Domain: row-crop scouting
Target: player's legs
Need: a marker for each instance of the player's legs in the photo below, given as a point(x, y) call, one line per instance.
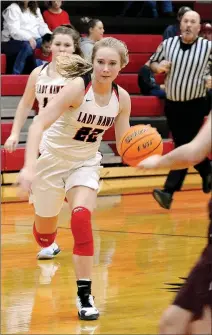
point(82, 187)
point(204, 324)
point(175, 320)
point(82, 197)
point(47, 197)
point(46, 226)
point(189, 303)
point(82, 201)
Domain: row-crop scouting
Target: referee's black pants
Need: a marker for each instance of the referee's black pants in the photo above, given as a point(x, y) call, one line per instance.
point(184, 121)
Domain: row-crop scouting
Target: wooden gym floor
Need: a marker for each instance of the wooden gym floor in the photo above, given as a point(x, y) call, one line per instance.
point(142, 255)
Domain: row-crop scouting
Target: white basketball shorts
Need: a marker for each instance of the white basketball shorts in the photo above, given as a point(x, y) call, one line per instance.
point(55, 176)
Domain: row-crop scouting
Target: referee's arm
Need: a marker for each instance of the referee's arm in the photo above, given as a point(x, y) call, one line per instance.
point(158, 64)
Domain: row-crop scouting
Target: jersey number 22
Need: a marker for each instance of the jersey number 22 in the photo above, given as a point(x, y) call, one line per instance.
point(87, 134)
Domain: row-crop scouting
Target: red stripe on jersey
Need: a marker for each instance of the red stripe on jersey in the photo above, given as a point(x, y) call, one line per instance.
point(87, 88)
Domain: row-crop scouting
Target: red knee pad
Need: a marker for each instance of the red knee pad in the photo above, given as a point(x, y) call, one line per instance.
point(82, 232)
point(44, 240)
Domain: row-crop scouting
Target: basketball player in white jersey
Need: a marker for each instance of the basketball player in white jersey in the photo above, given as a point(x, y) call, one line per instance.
point(43, 84)
point(69, 166)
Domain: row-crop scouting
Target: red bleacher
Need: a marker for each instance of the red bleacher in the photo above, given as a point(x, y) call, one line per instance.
point(15, 85)
point(136, 61)
point(139, 43)
point(5, 131)
point(204, 9)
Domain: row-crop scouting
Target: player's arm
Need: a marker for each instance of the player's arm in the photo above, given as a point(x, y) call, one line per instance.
point(69, 96)
point(122, 123)
point(23, 110)
point(187, 155)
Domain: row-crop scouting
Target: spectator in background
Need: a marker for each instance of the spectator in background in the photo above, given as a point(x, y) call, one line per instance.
point(23, 28)
point(206, 31)
point(174, 30)
point(44, 54)
point(54, 16)
point(166, 7)
point(147, 83)
point(94, 29)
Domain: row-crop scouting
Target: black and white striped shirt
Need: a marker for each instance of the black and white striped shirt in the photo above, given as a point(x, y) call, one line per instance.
point(190, 63)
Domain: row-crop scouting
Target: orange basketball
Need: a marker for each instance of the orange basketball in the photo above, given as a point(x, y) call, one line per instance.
point(140, 142)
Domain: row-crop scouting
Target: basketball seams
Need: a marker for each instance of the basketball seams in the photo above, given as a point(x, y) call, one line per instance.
point(137, 141)
point(124, 137)
point(147, 155)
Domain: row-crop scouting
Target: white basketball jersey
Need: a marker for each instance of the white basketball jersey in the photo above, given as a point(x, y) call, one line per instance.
point(77, 134)
point(45, 90)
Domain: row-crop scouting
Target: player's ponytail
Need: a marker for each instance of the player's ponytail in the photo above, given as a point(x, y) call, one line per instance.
point(72, 66)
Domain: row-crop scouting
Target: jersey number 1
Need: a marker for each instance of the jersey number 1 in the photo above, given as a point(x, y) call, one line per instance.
point(45, 102)
point(87, 134)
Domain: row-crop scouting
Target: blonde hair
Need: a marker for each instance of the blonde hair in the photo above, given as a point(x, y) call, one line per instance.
point(72, 66)
point(113, 43)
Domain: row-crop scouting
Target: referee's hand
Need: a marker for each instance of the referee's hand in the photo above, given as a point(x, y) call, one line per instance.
point(164, 66)
point(208, 82)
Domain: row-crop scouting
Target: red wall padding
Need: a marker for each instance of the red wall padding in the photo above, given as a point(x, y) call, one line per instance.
point(5, 131)
point(13, 161)
point(136, 61)
point(204, 10)
point(2, 159)
point(168, 146)
point(13, 84)
point(128, 82)
point(139, 43)
point(109, 135)
point(146, 106)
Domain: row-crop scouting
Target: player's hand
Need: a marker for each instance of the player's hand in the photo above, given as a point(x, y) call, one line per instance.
point(164, 66)
point(11, 143)
point(25, 179)
point(152, 162)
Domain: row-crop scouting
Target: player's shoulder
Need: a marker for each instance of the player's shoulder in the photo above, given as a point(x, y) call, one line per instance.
point(74, 90)
point(78, 83)
point(35, 73)
point(124, 100)
point(123, 94)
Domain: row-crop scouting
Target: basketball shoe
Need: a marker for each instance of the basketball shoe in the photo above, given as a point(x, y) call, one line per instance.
point(85, 301)
point(49, 252)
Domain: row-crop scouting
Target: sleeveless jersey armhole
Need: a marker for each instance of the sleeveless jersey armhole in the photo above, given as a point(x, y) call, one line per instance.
point(115, 90)
point(87, 81)
point(44, 65)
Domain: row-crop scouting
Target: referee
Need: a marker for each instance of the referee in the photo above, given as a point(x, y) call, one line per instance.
point(186, 60)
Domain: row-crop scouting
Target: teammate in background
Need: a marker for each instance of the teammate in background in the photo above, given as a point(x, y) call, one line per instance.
point(43, 84)
point(191, 311)
point(69, 164)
